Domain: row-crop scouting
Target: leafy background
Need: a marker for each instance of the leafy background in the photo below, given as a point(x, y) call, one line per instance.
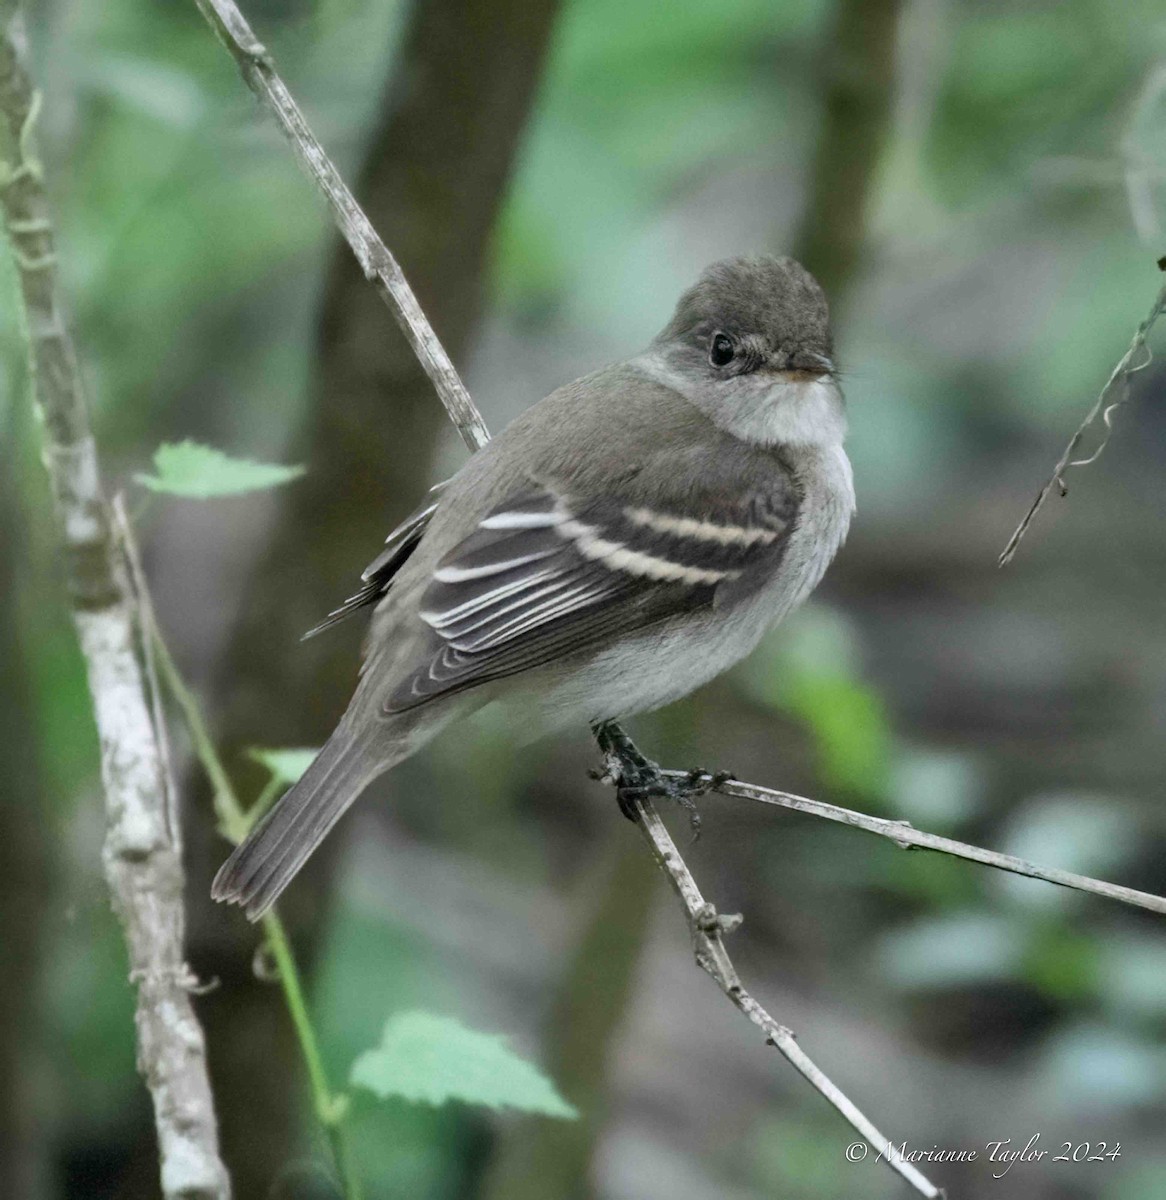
point(1008, 251)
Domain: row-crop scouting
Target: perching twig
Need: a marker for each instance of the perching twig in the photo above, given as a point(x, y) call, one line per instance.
point(708, 929)
point(905, 836)
point(375, 259)
point(142, 855)
point(1135, 359)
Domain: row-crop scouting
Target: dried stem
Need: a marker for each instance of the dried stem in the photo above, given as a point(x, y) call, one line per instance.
point(708, 930)
point(1135, 359)
point(142, 854)
point(905, 836)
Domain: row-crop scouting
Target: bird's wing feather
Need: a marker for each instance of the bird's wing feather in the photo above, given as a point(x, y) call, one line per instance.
point(378, 575)
point(543, 576)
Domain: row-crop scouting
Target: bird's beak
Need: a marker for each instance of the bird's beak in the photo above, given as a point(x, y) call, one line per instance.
point(795, 376)
point(804, 366)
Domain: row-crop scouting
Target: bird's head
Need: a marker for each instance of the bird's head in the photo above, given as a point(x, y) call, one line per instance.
point(750, 344)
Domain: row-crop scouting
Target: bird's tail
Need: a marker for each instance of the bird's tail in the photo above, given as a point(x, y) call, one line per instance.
point(274, 851)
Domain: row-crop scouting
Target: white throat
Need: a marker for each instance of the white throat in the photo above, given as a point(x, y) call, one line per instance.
point(759, 408)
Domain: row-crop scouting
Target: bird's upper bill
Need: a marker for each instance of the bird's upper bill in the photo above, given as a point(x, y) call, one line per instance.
point(798, 376)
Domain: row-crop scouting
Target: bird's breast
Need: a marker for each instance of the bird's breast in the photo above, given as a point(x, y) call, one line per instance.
point(664, 662)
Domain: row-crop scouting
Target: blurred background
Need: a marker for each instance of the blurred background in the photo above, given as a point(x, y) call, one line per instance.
point(979, 188)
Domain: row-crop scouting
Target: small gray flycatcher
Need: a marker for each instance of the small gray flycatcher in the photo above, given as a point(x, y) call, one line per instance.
point(625, 540)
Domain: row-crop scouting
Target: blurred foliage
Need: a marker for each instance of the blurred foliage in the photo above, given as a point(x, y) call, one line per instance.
point(286, 766)
point(1004, 277)
point(810, 669)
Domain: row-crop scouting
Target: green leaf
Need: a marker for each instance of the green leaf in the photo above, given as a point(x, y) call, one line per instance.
point(429, 1059)
point(286, 766)
point(200, 472)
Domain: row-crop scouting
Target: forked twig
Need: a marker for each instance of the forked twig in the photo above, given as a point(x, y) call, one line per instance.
point(708, 929)
point(256, 66)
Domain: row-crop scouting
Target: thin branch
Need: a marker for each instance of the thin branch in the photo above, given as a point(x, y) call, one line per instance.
point(708, 928)
point(1135, 359)
point(906, 837)
point(375, 259)
point(234, 823)
point(142, 854)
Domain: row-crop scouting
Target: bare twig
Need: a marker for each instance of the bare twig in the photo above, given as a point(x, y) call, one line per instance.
point(380, 267)
point(142, 854)
point(257, 70)
point(1135, 359)
point(706, 926)
point(708, 929)
point(905, 836)
point(374, 257)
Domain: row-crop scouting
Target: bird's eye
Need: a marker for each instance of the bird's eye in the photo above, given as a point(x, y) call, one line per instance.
point(721, 350)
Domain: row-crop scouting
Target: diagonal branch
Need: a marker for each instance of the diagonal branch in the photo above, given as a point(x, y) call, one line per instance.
point(708, 928)
point(374, 256)
point(1135, 359)
point(142, 854)
point(906, 837)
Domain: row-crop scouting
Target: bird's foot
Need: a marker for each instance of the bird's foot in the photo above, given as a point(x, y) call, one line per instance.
point(637, 777)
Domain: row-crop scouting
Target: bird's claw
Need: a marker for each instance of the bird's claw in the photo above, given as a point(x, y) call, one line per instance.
point(637, 777)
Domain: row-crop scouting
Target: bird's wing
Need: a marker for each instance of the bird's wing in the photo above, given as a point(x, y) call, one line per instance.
point(544, 575)
point(378, 575)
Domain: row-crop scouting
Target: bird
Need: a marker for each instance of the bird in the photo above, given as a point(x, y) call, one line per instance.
point(625, 540)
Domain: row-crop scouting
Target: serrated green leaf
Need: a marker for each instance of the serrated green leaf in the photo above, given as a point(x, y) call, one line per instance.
point(429, 1059)
point(202, 472)
point(286, 766)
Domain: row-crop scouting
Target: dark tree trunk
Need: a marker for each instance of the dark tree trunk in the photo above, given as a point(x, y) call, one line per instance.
point(552, 1160)
point(25, 865)
point(858, 64)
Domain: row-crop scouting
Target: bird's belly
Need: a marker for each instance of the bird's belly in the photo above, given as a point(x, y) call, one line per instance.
point(660, 664)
